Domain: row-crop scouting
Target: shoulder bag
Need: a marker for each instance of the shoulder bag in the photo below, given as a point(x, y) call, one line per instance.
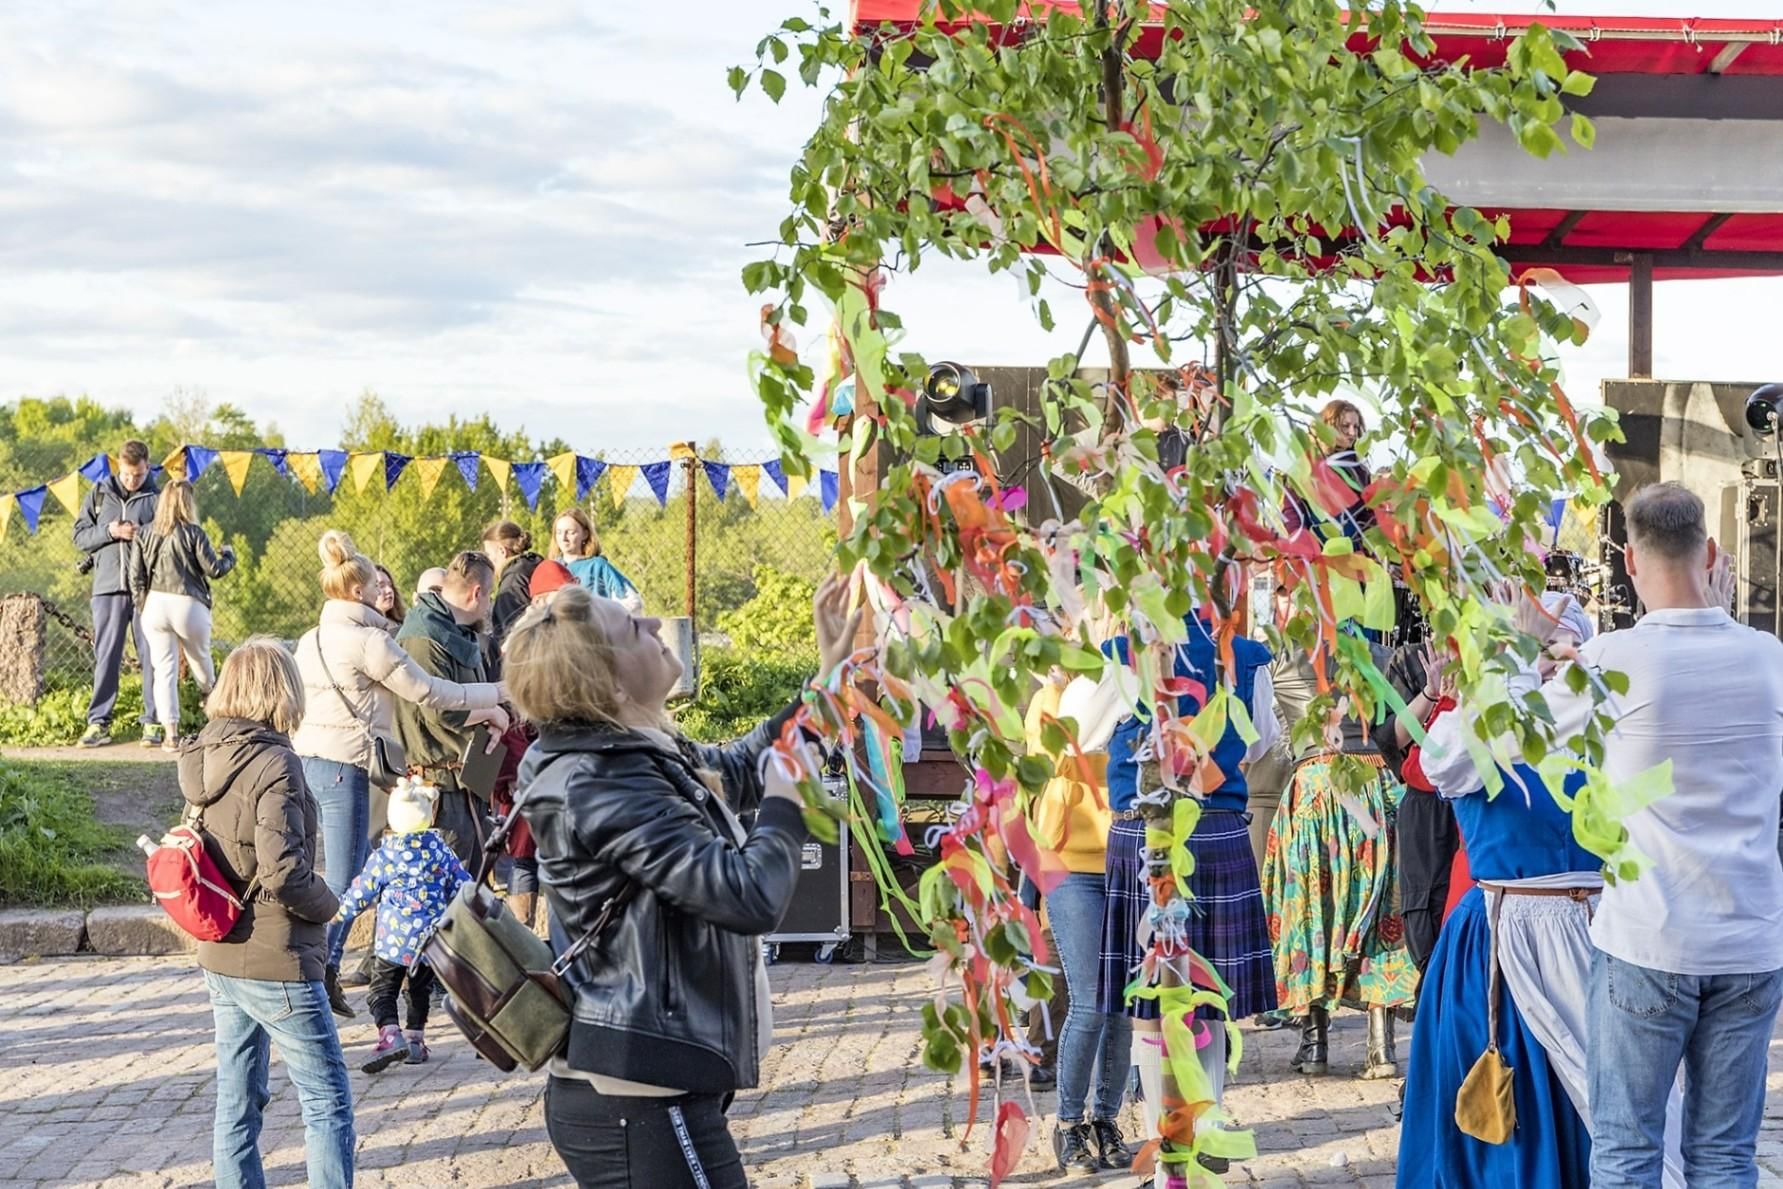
point(389, 763)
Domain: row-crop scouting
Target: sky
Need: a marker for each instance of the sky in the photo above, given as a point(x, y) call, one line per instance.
point(538, 210)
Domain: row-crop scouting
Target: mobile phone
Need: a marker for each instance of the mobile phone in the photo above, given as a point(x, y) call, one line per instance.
point(479, 766)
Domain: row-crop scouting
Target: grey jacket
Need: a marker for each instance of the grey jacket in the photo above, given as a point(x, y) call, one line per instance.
point(181, 564)
point(92, 530)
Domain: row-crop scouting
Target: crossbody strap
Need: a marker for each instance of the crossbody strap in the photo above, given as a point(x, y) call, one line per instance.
point(195, 818)
point(334, 685)
point(1493, 978)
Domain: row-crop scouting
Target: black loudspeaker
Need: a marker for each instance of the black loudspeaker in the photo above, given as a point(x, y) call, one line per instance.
point(1756, 601)
point(819, 910)
point(1617, 609)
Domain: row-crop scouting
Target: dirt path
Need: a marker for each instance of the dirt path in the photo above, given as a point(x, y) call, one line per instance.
point(132, 787)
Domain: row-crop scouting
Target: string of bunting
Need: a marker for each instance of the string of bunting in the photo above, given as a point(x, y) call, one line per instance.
point(319, 470)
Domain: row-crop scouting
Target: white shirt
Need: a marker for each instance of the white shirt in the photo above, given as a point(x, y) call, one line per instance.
point(1705, 693)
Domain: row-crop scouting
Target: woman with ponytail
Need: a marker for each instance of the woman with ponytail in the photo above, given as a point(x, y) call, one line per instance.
point(353, 670)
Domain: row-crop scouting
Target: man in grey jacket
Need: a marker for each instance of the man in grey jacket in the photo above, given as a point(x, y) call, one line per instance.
point(108, 520)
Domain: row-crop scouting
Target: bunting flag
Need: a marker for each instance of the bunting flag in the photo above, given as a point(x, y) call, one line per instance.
point(530, 478)
point(588, 473)
point(278, 456)
point(175, 464)
point(235, 465)
point(307, 469)
point(364, 467)
point(31, 505)
point(620, 480)
point(198, 460)
point(777, 473)
point(563, 469)
point(393, 464)
point(795, 486)
point(96, 468)
point(719, 476)
point(657, 475)
point(828, 482)
point(333, 462)
point(5, 517)
point(748, 482)
point(681, 451)
point(1556, 515)
point(502, 469)
point(430, 470)
point(466, 461)
point(67, 492)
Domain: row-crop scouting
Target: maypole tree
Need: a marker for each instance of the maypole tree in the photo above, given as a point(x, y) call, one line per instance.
point(1237, 192)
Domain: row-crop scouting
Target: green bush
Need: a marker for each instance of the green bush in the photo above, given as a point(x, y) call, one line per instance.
point(777, 619)
point(740, 689)
point(60, 715)
point(52, 846)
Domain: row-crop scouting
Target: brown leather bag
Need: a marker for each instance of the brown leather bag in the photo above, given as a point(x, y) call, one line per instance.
point(1485, 1107)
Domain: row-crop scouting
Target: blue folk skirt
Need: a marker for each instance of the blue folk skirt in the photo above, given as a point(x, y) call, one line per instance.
point(1550, 1149)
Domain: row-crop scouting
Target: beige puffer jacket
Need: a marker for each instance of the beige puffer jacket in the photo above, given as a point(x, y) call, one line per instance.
point(372, 669)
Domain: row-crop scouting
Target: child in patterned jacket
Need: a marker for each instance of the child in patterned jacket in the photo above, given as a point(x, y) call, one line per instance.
point(412, 877)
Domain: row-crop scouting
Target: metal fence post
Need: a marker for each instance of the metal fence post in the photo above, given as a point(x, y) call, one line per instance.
point(691, 465)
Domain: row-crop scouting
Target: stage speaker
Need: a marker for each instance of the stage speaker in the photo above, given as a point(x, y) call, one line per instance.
point(819, 910)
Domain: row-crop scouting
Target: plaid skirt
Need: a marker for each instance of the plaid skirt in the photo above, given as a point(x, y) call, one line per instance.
point(1228, 924)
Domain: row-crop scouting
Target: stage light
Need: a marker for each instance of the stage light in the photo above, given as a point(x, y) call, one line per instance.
point(1761, 408)
point(952, 399)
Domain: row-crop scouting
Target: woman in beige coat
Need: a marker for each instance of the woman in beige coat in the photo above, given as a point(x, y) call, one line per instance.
point(352, 671)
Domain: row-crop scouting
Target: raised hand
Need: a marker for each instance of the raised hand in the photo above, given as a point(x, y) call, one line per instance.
point(836, 628)
point(1721, 581)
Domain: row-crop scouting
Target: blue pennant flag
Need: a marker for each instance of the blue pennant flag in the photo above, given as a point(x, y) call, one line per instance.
point(720, 477)
point(777, 473)
point(96, 468)
point(828, 482)
point(333, 463)
point(588, 473)
point(468, 462)
point(657, 475)
point(31, 504)
point(530, 476)
point(1556, 514)
point(393, 464)
point(277, 456)
point(198, 461)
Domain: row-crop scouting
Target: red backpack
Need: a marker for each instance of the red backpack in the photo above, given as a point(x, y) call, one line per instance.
point(188, 886)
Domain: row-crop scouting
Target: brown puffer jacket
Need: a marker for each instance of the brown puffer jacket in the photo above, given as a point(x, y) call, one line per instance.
point(246, 785)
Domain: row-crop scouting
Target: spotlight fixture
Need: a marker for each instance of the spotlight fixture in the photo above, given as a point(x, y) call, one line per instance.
point(1761, 408)
point(952, 398)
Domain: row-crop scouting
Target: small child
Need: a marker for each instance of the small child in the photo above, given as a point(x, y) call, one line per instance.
point(412, 876)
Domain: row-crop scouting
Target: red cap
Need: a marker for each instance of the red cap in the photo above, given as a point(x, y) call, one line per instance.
point(550, 576)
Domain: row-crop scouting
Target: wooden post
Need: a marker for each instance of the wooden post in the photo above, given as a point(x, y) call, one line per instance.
point(690, 465)
point(1640, 317)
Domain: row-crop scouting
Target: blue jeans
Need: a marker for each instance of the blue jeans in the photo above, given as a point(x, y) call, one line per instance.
point(343, 803)
point(250, 1013)
point(1644, 1024)
point(1091, 1041)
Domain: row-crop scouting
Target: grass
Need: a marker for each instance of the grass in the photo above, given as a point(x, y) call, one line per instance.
point(67, 830)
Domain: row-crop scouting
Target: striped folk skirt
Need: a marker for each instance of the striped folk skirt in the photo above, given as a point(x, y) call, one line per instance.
point(1333, 896)
point(1228, 924)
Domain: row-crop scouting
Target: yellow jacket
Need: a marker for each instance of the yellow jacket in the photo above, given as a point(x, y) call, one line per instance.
point(1071, 817)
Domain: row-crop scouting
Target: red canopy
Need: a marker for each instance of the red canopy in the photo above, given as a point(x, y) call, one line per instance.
point(1689, 117)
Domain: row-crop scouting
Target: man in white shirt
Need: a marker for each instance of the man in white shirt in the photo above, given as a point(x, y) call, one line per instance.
point(1689, 962)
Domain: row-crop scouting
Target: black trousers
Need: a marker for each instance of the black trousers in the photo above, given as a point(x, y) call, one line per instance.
point(641, 1143)
point(386, 979)
point(1428, 839)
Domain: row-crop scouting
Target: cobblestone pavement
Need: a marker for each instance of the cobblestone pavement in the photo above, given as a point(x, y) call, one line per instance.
point(106, 1079)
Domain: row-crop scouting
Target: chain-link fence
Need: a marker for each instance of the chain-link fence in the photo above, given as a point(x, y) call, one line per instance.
point(730, 546)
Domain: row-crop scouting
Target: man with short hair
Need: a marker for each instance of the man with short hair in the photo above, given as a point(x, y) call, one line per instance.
point(1689, 963)
point(441, 633)
point(109, 517)
point(430, 581)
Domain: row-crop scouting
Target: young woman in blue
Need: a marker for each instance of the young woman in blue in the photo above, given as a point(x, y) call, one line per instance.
point(578, 547)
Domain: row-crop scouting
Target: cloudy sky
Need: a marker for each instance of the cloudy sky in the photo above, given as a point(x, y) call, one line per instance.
point(537, 209)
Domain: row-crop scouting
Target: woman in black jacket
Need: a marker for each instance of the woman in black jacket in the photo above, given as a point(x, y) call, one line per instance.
point(171, 568)
point(671, 1003)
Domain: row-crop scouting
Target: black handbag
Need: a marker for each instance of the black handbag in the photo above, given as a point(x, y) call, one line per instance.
point(389, 763)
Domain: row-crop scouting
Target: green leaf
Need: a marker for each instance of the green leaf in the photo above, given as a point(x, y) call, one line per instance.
point(738, 79)
point(1577, 82)
point(1584, 133)
point(774, 84)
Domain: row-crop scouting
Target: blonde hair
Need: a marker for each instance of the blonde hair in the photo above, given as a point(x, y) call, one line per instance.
point(344, 568)
point(176, 506)
point(580, 517)
point(260, 683)
point(557, 664)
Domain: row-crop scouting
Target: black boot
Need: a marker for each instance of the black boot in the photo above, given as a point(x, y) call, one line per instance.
point(1314, 1055)
point(337, 998)
point(1111, 1146)
point(1071, 1146)
point(1383, 1059)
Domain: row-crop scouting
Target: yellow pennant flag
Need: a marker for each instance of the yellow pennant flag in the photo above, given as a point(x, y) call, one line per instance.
point(364, 467)
point(795, 486)
point(235, 465)
point(6, 503)
point(67, 492)
point(621, 479)
point(307, 468)
point(174, 463)
point(430, 470)
point(502, 469)
point(563, 466)
point(748, 481)
point(680, 451)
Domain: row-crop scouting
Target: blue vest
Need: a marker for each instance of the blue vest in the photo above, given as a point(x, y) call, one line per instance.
point(1194, 660)
point(1508, 838)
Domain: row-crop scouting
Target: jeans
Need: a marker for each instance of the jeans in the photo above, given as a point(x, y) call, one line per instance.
point(343, 803)
point(1644, 1023)
point(629, 1143)
point(1091, 1041)
point(249, 1013)
point(114, 617)
point(523, 876)
point(386, 979)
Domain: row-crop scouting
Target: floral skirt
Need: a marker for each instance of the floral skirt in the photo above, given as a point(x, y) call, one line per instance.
point(1333, 896)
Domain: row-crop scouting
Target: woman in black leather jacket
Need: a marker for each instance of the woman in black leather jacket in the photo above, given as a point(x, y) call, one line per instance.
point(671, 1003)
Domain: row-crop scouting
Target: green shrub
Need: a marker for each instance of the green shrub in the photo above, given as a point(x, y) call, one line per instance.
point(777, 619)
point(740, 689)
point(52, 846)
point(60, 715)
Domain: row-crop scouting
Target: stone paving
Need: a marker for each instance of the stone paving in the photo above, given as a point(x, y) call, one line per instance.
point(106, 1079)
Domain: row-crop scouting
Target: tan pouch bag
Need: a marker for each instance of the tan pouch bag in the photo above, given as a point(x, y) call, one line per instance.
point(1484, 1105)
